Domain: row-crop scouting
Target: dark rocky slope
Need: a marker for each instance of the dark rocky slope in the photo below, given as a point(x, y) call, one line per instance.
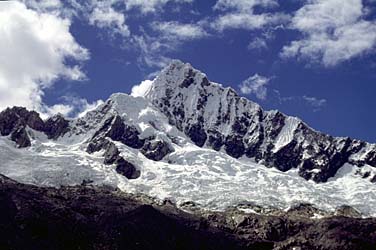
point(95, 218)
point(14, 122)
point(86, 217)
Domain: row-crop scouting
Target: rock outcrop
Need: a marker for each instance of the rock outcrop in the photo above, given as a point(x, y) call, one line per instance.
point(112, 157)
point(156, 149)
point(56, 126)
point(14, 121)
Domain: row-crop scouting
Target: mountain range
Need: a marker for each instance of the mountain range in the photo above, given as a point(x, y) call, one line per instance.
point(189, 140)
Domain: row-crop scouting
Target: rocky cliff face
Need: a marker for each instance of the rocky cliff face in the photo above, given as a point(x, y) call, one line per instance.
point(217, 117)
point(15, 121)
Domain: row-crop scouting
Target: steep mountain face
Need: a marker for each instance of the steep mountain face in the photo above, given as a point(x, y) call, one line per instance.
point(189, 139)
point(219, 118)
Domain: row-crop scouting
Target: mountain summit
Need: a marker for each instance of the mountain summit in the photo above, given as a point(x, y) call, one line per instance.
point(186, 138)
point(218, 118)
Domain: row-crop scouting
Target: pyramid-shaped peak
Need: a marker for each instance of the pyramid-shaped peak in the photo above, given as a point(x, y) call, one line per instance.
point(176, 63)
point(179, 74)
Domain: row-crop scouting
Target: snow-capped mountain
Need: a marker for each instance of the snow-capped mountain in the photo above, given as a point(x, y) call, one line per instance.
point(218, 118)
point(188, 139)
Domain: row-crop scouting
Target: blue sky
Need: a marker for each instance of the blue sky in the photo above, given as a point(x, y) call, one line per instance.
point(314, 59)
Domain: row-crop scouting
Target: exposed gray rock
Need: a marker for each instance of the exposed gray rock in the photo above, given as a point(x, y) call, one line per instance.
point(348, 212)
point(129, 135)
point(234, 146)
point(56, 126)
point(126, 168)
point(111, 154)
point(156, 150)
point(197, 134)
point(20, 137)
point(305, 210)
point(112, 157)
point(13, 121)
point(96, 145)
point(19, 116)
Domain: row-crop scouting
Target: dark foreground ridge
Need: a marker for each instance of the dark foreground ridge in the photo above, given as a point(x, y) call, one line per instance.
point(86, 217)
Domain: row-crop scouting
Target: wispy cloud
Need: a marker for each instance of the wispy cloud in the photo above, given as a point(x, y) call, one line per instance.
point(244, 5)
point(182, 31)
point(257, 44)
point(151, 50)
point(241, 14)
point(71, 106)
point(106, 17)
point(314, 102)
point(147, 6)
point(333, 31)
point(256, 85)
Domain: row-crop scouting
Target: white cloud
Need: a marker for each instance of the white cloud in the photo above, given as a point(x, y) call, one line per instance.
point(256, 85)
point(87, 107)
point(240, 21)
point(63, 109)
point(147, 6)
point(152, 49)
point(243, 5)
point(257, 44)
point(34, 49)
point(240, 14)
point(315, 102)
point(71, 107)
point(176, 30)
point(105, 17)
point(101, 14)
point(170, 36)
point(142, 88)
point(44, 5)
point(62, 8)
point(333, 31)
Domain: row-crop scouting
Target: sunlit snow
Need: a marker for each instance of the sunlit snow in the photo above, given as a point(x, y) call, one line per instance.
point(211, 179)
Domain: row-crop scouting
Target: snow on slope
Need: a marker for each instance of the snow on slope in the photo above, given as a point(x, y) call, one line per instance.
point(287, 133)
point(52, 164)
point(211, 179)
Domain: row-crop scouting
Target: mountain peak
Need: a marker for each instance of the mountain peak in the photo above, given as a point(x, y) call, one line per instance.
point(177, 75)
point(183, 136)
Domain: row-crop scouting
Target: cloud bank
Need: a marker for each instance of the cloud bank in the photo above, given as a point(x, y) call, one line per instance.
point(34, 50)
point(333, 31)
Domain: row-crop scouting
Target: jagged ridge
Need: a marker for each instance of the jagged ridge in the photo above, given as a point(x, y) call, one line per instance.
point(219, 118)
point(211, 116)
